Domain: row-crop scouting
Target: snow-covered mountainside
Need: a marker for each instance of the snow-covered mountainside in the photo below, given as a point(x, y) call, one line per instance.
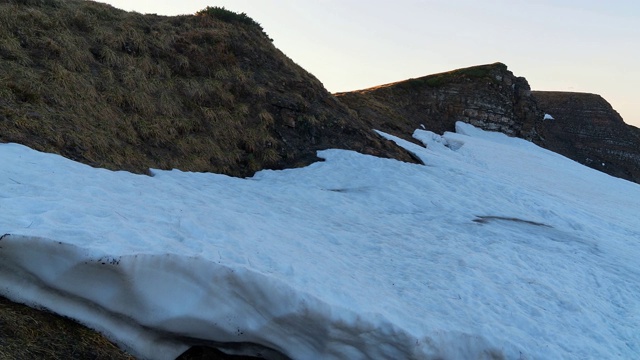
point(495, 248)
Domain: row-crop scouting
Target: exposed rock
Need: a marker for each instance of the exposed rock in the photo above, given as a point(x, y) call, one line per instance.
point(584, 128)
point(487, 96)
point(587, 129)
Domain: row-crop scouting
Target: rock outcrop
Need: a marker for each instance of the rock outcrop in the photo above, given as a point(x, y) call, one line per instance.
point(587, 129)
point(487, 96)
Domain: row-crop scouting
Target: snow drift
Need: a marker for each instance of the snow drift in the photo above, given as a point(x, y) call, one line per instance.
point(495, 248)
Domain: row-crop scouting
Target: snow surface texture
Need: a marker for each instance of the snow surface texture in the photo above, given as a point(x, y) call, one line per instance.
point(494, 249)
point(548, 117)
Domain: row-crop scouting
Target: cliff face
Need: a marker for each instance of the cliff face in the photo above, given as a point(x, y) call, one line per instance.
point(587, 129)
point(207, 92)
point(210, 92)
point(487, 96)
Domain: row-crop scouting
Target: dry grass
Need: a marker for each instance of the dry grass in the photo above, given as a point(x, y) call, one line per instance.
point(128, 91)
point(29, 334)
point(122, 90)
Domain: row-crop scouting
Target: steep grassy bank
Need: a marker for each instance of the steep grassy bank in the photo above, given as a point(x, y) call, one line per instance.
point(126, 91)
point(204, 92)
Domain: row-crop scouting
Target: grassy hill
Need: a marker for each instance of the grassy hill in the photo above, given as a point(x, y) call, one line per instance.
point(125, 91)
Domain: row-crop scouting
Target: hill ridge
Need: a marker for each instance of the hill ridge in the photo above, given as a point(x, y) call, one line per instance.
point(585, 128)
point(127, 91)
point(488, 96)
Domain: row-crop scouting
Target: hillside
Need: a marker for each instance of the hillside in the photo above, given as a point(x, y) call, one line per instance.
point(587, 129)
point(487, 96)
point(126, 91)
point(209, 92)
point(492, 248)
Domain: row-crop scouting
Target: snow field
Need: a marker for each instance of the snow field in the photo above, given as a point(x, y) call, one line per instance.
point(493, 248)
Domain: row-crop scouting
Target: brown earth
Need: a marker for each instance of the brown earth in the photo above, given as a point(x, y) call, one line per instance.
point(27, 334)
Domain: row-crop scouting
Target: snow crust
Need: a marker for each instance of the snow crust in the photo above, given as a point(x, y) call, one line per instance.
point(548, 117)
point(495, 248)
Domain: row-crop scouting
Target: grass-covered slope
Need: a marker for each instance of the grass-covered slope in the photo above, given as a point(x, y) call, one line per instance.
point(29, 334)
point(203, 92)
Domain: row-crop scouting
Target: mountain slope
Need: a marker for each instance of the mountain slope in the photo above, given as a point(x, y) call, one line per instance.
point(209, 93)
point(587, 129)
point(488, 96)
point(128, 91)
point(495, 249)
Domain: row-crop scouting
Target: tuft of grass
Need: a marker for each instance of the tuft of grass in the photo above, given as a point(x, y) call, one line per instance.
point(266, 118)
point(223, 14)
point(26, 333)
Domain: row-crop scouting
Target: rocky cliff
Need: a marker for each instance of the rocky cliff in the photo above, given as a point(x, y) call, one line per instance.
point(587, 129)
point(204, 92)
point(487, 96)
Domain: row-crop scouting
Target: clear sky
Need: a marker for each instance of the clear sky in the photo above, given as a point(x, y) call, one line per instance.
point(567, 45)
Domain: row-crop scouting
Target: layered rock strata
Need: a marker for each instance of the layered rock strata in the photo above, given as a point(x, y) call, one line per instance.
point(585, 128)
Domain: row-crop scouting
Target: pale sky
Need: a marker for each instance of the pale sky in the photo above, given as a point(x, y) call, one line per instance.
point(566, 45)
